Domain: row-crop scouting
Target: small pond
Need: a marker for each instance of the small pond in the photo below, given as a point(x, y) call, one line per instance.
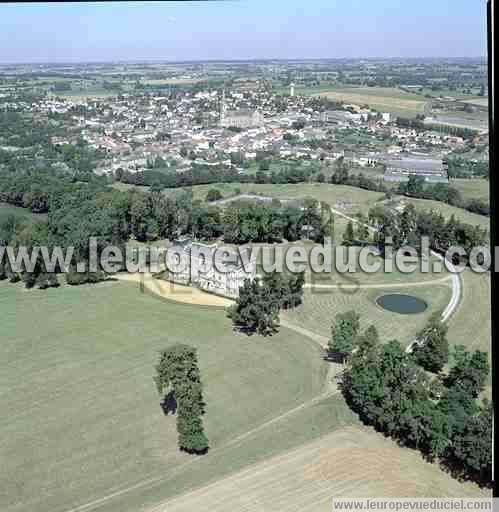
point(403, 304)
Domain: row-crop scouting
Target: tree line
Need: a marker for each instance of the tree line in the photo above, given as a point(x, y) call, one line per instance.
point(407, 227)
point(444, 193)
point(437, 413)
point(77, 211)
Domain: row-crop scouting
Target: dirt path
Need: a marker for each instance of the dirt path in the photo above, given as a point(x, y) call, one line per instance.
point(456, 278)
point(173, 291)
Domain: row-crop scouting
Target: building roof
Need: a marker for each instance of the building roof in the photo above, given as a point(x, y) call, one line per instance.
point(413, 164)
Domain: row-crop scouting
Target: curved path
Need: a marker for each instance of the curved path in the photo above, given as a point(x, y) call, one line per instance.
point(456, 277)
point(190, 295)
point(330, 388)
point(377, 285)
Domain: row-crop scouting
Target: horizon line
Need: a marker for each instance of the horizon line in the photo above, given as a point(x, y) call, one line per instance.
point(253, 59)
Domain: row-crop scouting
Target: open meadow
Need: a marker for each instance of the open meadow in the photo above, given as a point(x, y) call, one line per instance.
point(476, 188)
point(348, 200)
point(350, 462)
point(383, 99)
point(81, 415)
point(471, 323)
point(320, 305)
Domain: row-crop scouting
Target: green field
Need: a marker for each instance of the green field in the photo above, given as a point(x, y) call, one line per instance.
point(471, 323)
point(81, 93)
point(81, 415)
point(447, 210)
point(350, 199)
point(479, 101)
point(476, 188)
point(306, 424)
point(321, 305)
point(337, 278)
point(382, 99)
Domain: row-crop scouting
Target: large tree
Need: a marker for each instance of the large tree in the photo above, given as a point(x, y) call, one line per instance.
point(431, 349)
point(256, 309)
point(344, 334)
point(469, 372)
point(177, 374)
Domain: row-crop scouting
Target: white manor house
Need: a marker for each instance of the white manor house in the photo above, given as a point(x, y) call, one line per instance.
point(189, 267)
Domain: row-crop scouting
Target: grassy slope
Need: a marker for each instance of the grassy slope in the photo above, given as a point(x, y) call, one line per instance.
point(321, 306)
point(81, 413)
point(473, 189)
point(473, 330)
point(337, 196)
point(350, 200)
point(447, 211)
point(302, 426)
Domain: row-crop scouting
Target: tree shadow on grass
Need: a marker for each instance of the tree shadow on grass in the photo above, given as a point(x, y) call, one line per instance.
point(169, 403)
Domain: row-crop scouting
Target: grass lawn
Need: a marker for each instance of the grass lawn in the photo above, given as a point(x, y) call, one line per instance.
point(336, 278)
point(471, 323)
point(349, 199)
point(476, 188)
point(90, 92)
point(171, 81)
point(480, 101)
point(307, 424)
point(447, 210)
point(81, 414)
point(320, 306)
point(383, 99)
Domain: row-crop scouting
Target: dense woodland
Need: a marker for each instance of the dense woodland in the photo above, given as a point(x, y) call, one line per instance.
point(410, 225)
point(78, 210)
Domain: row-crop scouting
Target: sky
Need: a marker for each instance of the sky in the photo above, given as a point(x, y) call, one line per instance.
point(241, 29)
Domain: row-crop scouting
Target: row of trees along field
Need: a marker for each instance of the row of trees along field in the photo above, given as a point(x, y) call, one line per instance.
point(293, 173)
point(444, 193)
point(409, 225)
point(78, 211)
point(412, 397)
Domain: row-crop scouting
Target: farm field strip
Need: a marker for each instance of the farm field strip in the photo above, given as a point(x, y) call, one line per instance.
point(350, 462)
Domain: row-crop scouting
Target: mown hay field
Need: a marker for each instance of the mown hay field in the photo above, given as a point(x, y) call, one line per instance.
point(81, 414)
